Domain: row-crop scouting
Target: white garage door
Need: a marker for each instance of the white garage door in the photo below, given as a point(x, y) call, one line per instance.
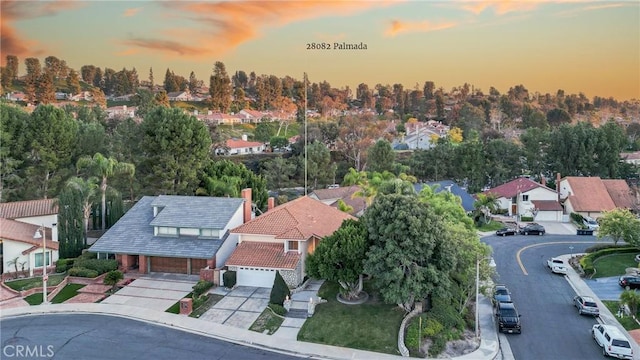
point(548, 216)
point(255, 277)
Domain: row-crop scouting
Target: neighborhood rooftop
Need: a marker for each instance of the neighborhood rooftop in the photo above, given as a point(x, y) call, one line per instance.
point(202, 212)
point(30, 208)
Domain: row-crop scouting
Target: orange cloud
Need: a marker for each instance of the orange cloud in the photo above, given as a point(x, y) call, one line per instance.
point(399, 27)
point(131, 12)
point(11, 42)
point(231, 23)
point(590, 8)
point(501, 7)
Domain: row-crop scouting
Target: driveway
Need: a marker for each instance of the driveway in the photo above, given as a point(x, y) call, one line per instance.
point(606, 288)
point(152, 292)
point(558, 228)
point(240, 307)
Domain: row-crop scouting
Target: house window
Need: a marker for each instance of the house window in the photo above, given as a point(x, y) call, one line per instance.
point(207, 233)
point(525, 197)
point(38, 259)
point(292, 245)
point(164, 230)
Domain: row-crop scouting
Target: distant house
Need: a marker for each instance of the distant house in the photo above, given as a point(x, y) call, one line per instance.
point(452, 187)
point(592, 196)
point(631, 157)
point(280, 239)
point(19, 222)
point(332, 197)
point(179, 96)
point(525, 197)
point(250, 116)
point(219, 118)
point(175, 234)
point(17, 96)
point(121, 112)
point(242, 147)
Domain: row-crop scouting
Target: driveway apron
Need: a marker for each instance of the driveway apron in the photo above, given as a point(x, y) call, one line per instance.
point(239, 308)
point(150, 293)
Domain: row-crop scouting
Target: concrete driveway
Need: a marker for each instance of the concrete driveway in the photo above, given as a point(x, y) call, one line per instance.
point(240, 307)
point(558, 228)
point(606, 288)
point(152, 293)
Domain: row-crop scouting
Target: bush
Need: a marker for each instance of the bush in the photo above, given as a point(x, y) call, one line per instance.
point(437, 346)
point(63, 265)
point(100, 265)
point(278, 309)
point(447, 316)
point(229, 279)
point(412, 338)
point(82, 272)
point(279, 291)
point(586, 262)
point(113, 277)
point(577, 218)
point(526, 218)
point(201, 287)
point(599, 247)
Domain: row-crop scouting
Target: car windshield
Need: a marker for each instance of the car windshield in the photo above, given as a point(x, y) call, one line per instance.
point(592, 222)
point(508, 313)
point(621, 343)
point(590, 304)
point(555, 261)
point(502, 292)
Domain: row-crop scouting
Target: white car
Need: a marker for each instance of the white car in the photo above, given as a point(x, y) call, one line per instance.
point(557, 266)
point(591, 223)
point(612, 342)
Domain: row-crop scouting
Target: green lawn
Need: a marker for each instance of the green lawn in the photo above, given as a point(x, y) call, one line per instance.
point(627, 322)
point(211, 300)
point(34, 299)
point(67, 293)
point(492, 226)
point(267, 321)
point(613, 265)
point(30, 283)
point(371, 326)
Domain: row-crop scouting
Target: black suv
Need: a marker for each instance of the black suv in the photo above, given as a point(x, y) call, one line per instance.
point(501, 294)
point(533, 229)
point(629, 282)
point(508, 318)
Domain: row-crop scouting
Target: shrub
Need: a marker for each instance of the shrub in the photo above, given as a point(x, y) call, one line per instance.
point(279, 291)
point(586, 262)
point(100, 265)
point(599, 247)
point(201, 287)
point(278, 309)
point(229, 279)
point(113, 277)
point(412, 338)
point(63, 265)
point(526, 218)
point(437, 346)
point(83, 272)
point(447, 315)
point(576, 217)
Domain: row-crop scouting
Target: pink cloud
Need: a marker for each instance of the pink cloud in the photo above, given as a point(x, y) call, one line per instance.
point(402, 27)
point(131, 12)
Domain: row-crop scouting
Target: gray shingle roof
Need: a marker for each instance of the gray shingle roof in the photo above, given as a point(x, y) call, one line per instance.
point(201, 212)
point(133, 233)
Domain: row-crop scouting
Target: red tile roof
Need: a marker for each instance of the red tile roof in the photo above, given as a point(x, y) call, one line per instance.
point(298, 219)
point(514, 187)
point(23, 232)
point(263, 255)
point(30, 208)
point(589, 194)
point(238, 144)
point(346, 194)
point(620, 193)
point(547, 205)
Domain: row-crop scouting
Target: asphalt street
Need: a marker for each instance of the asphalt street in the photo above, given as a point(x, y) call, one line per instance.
point(551, 326)
point(85, 336)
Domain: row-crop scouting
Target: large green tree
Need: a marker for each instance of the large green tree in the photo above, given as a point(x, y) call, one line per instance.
point(278, 172)
point(70, 223)
point(12, 148)
point(226, 178)
point(88, 192)
point(175, 147)
point(220, 88)
point(340, 258)
point(411, 254)
point(320, 169)
point(380, 157)
point(103, 168)
point(620, 225)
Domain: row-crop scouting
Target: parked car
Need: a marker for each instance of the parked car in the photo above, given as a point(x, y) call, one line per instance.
point(508, 318)
point(501, 294)
point(586, 305)
point(629, 282)
point(533, 229)
point(557, 266)
point(590, 223)
point(506, 231)
point(612, 342)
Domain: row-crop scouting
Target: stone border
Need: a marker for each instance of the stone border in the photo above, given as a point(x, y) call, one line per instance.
point(402, 347)
point(353, 302)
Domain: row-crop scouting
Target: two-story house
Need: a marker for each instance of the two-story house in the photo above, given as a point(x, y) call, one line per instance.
point(524, 197)
point(21, 236)
point(175, 234)
point(592, 196)
point(280, 239)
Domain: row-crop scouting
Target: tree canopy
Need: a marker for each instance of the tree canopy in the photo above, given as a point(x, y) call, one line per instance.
point(620, 225)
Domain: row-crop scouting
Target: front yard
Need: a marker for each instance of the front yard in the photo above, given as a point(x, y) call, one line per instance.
point(371, 326)
point(33, 282)
point(614, 264)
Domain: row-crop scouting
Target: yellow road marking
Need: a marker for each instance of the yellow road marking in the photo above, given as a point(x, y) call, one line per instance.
point(524, 271)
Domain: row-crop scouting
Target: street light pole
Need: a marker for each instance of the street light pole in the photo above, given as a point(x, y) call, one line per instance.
point(477, 296)
point(37, 235)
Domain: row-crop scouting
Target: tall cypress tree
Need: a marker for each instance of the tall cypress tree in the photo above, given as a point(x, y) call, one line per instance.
point(70, 224)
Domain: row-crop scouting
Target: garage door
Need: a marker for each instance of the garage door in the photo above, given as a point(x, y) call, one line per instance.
point(168, 265)
point(547, 216)
point(255, 277)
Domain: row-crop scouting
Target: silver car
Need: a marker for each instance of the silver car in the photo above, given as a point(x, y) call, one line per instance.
point(586, 305)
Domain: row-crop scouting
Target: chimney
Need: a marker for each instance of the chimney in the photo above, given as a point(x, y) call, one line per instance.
point(558, 185)
point(244, 137)
point(271, 203)
point(246, 207)
point(543, 181)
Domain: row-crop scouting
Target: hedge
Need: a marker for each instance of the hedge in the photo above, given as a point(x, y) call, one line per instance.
point(587, 261)
point(83, 272)
point(280, 290)
point(229, 279)
point(63, 265)
point(526, 218)
point(200, 288)
point(278, 309)
point(100, 265)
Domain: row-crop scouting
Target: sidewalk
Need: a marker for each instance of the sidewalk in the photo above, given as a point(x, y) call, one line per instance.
point(489, 344)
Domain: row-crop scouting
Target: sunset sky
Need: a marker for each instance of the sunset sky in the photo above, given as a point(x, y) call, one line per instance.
point(577, 46)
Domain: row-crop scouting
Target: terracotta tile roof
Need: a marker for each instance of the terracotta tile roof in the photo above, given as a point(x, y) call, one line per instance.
point(22, 232)
point(589, 194)
point(337, 193)
point(23, 209)
point(263, 255)
point(620, 193)
point(299, 219)
point(237, 144)
point(513, 187)
point(630, 155)
point(547, 205)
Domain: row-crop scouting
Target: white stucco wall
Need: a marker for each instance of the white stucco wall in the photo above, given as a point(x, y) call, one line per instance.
point(13, 249)
point(50, 221)
point(226, 250)
point(258, 238)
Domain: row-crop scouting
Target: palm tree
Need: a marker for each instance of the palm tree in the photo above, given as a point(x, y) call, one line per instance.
point(104, 168)
point(88, 190)
point(632, 299)
point(485, 205)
